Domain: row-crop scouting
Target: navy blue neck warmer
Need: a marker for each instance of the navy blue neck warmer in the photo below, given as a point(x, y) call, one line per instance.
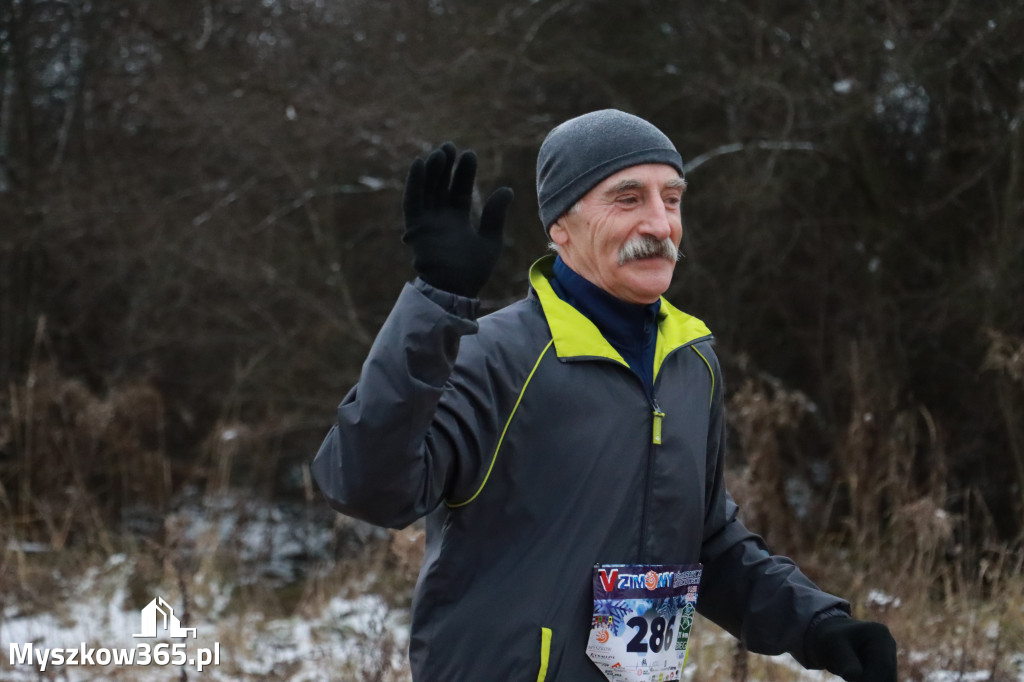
point(631, 329)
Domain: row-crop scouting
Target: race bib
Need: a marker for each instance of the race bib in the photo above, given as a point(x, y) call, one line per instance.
point(642, 618)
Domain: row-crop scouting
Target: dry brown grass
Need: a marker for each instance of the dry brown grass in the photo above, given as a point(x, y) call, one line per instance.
point(78, 457)
point(944, 617)
point(960, 626)
point(883, 535)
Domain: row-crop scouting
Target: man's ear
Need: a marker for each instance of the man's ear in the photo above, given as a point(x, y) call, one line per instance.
point(559, 232)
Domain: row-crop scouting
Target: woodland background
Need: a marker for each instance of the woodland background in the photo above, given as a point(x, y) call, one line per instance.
point(200, 220)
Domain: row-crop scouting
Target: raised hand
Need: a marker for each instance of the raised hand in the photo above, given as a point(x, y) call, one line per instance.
point(448, 251)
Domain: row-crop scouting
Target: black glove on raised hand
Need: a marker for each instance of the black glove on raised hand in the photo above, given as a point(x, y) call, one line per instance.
point(448, 252)
point(856, 650)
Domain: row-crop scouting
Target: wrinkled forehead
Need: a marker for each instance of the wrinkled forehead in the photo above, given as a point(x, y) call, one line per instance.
point(651, 176)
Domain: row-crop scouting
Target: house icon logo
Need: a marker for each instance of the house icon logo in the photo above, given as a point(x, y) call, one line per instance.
point(158, 615)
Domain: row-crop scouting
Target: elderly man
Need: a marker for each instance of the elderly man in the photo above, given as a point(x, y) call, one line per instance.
point(567, 450)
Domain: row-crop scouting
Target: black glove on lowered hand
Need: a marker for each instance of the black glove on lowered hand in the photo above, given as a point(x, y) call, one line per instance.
point(448, 252)
point(856, 650)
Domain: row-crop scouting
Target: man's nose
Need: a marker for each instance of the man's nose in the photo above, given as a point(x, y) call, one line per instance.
point(657, 221)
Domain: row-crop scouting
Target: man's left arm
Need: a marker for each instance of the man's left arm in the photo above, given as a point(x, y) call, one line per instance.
point(766, 601)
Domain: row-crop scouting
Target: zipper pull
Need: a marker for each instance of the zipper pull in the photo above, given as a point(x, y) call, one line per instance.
point(656, 426)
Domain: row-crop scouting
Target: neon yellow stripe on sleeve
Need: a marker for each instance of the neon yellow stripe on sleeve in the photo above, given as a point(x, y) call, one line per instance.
point(494, 457)
point(712, 398)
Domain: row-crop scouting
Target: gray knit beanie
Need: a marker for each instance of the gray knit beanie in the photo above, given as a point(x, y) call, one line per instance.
point(578, 154)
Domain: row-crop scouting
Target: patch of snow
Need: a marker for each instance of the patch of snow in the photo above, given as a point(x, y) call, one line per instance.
point(372, 182)
point(843, 86)
point(341, 639)
point(881, 599)
point(951, 676)
point(903, 104)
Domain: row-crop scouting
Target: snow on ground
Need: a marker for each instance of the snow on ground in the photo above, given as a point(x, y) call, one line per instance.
point(265, 548)
point(339, 640)
point(347, 634)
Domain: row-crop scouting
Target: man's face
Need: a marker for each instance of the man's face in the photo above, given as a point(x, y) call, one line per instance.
point(636, 207)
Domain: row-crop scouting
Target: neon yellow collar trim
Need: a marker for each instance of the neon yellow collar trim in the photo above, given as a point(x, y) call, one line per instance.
point(574, 335)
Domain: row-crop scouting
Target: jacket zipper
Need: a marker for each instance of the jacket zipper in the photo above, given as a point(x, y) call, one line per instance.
point(657, 422)
point(658, 416)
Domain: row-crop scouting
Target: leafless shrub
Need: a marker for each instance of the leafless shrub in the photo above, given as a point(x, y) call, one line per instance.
point(1006, 354)
point(78, 456)
point(405, 551)
point(923, 532)
point(765, 414)
point(892, 458)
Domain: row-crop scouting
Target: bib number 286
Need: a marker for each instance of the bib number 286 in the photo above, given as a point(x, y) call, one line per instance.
point(661, 632)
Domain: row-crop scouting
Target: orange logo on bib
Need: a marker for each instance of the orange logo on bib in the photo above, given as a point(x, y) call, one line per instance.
point(651, 580)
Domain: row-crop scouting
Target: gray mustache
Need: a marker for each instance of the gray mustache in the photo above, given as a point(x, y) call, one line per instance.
point(648, 247)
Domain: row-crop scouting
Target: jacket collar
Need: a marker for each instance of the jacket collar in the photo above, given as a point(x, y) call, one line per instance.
point(575, 336)
point(627, 326)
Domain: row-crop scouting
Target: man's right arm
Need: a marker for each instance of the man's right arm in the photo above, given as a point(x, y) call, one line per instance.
point(397, 447)
point(382, 461)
